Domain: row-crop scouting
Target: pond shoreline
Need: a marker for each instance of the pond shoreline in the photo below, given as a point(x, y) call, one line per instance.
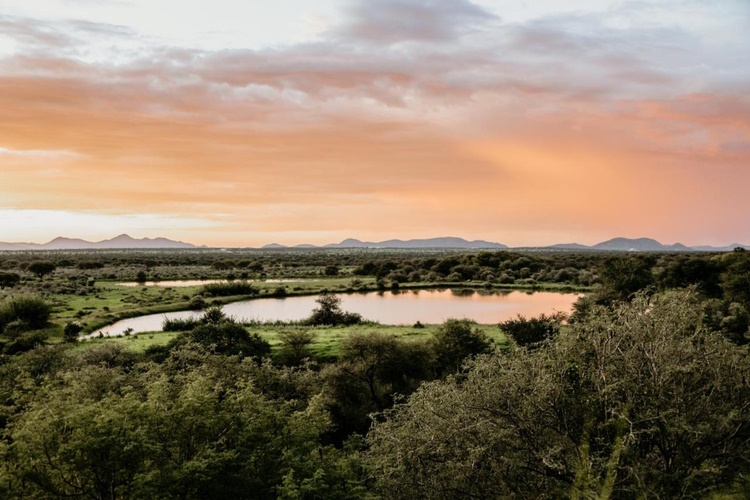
point(223, 301)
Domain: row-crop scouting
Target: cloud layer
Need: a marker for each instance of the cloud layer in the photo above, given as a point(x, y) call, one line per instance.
point(404, 118)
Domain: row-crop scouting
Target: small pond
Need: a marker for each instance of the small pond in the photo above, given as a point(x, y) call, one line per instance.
point(391, 308)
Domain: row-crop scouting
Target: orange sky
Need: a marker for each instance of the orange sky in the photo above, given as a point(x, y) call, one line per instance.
point(391, 119)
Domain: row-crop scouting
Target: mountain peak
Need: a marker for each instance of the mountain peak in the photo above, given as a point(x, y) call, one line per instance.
point(124, 237)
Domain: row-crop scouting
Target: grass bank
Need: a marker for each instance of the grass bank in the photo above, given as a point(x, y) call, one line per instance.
point(326, 344)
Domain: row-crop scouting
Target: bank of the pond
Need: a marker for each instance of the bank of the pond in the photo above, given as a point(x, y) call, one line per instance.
point(325, 344)
point(402, 307)
point(315, 287)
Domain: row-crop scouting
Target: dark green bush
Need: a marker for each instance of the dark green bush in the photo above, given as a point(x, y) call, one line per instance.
point(329, 313)
point(530, 332)
point(31, 309)
point(228, 289)
point(8, 279)
point(180, 325)
point(71, 331)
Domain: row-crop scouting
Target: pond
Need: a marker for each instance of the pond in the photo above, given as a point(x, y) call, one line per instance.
point(391, 308)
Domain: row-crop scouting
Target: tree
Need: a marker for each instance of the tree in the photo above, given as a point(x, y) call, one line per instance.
point(626, 275)
point(371, 369)
point(8, 280)
point(640, 399)
point(41, 268)
point(32, 310)
point(456, 341)
point(331, 271)
point(71, 332)
point(141, 277)
point(295, 345)
point(229, 338)
point(736, 280)
point(531, 332)
point(686, 271)
point(329, 312)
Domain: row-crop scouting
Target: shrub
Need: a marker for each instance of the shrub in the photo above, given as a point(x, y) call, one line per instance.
point(329, 313)
point(71, 331)
point(331, 270)
point(197, 302)
point(295, 346)
point(531, 332)
point(8, 280)
point(31, 309)
point(41, 268)
point(228, 289)
point(179, 325)
point(25, 342)
point(456, 341)
point(229, 338)
point(16, 327)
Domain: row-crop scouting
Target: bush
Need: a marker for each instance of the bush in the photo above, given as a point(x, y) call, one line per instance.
point(179, 325)
point(31, 309)
point(25, 342)
point(295, 346)
point(71, 331)
point(41, 268)
point(229, 338)
point(228, 289)
point(531, 332)
point(456, 341)
point(8, 280)
point(197, 303)
point(329, 313)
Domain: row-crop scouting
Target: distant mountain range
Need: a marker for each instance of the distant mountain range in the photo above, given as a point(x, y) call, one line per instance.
point(643, 245)
point(445, 242)
point(122, 242)
point(613, 245)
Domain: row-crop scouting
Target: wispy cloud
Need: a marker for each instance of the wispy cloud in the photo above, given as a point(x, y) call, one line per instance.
point(39, 153)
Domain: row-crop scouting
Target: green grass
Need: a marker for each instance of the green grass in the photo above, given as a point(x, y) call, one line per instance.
point(327, 342)
point(111, 302)
point(135, 343)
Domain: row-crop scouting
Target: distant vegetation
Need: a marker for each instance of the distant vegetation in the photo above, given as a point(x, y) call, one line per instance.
point(640, 391)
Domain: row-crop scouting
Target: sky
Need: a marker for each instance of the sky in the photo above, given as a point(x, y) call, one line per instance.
point(240, 123)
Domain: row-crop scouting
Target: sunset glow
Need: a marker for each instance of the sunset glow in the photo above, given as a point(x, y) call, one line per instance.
point(242, 123)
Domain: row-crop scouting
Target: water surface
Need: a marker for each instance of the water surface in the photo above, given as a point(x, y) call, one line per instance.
point(391, 308)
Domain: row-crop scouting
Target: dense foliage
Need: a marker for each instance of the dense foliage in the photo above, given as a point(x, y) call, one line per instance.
point(639, 400)
point(642, 392)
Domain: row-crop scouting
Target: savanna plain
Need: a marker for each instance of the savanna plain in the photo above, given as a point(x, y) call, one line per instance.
point(640, 389)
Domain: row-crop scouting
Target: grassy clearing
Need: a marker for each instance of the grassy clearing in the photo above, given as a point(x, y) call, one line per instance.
point(110, 302)
point(326, 344)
